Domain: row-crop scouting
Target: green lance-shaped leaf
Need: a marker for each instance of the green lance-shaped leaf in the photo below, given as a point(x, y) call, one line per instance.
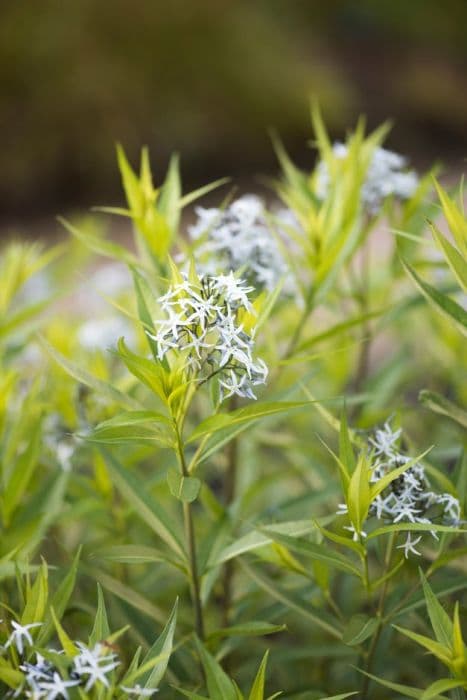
point(185, 488)
point(36, 598)
point(240, 416)
point(318, 552)
point(101, 629)
point(108, 249)
point(257, 539)
point(67, 644)
point(292, 602)
point(146, 312)
point(156, 660)
point(218, 683)
point(440, 686)
point(381, 484)
point(10, 676)
point(440, 621)
point(447, 306)
point(358, 629)
point(412, 527)
point(254, 628)
point(404, 690)
point(439, 404)
point(456, 261)
point(131, 183)
point(59, 601)
point(257, 689)
point(134, 426)
point(358, 494)
point(146, 507)
point(22, 473)
point(125, 593)
point(162, 382)
point(441, 652)
point(170, 193)
point(455, 218)
point(103, 389)
point(346, 453)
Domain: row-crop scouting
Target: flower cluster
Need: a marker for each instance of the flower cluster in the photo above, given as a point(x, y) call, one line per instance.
point(43, 680)
point(387, 176)
point(408, 498)
point(238, 238)
point(202, 321)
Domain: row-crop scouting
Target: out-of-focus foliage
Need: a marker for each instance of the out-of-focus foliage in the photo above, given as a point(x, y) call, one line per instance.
point(205, 78)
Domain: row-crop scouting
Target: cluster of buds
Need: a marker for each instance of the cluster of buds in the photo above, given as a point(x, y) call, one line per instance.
point(43, 680)
point(204, 322)
point(387, 176)
point(408, 498)
point(238, 238)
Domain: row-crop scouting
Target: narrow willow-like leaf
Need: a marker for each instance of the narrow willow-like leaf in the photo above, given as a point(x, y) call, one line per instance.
point(218, 683)
point(318, 552)
point(440, 686)
point(456, 261)
point(447, 306)
point(103, 389)
point(439, 404)
point(440, 621)
point(145, 506)
point(413, 527)
point(59, 601)
point(381, 484)
point(289, 601)
point(101, 629)
point(134, 426)
point(247, 415)
point(441, 652)
point(36, 598)
point(108, 249)
point(161, 647)
point(359, 628)
point(257, 689)
point(127, 594)
point(255, 628)
point(256, 539)
point(406, 690)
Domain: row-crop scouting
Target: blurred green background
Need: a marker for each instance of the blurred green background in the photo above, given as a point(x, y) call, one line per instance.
point(207, 78)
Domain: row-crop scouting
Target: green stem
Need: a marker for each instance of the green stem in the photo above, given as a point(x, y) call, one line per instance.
point(300, 325)
point(379, 615)
point(191, 547)
point(230, 484)
point(363, 363)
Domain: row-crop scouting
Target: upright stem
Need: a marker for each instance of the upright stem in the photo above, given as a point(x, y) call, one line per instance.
point(195, 587)
point(379, 615)
point(230, 484)
point(191, 546)
point(300, 325)
point(363, 363)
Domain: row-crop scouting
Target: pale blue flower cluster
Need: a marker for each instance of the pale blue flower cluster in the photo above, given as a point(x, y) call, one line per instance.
point(387, 176)
point(43, 680)
point(408, 498)
point(202, 321)
point(239, 238)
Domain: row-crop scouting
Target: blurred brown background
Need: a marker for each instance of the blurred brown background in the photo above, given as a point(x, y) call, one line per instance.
point(207, 78)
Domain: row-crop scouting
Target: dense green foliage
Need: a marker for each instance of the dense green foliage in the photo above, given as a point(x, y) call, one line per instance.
point(192, 530)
